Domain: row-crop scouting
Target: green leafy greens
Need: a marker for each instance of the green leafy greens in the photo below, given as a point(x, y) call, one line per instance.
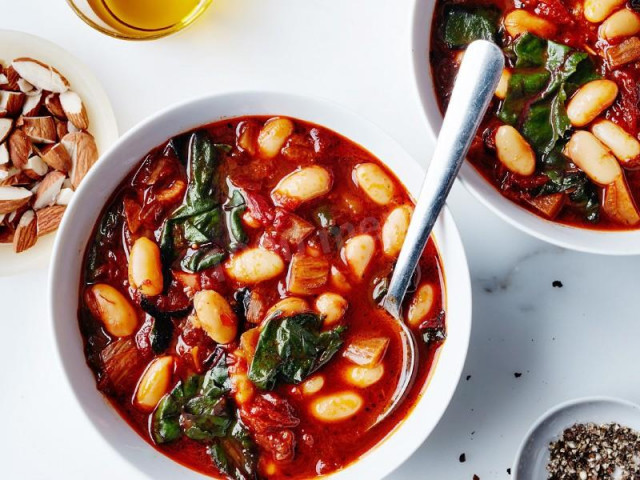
point(292, 348)
point(197, 407)
point(464, 25)
point(546, 73)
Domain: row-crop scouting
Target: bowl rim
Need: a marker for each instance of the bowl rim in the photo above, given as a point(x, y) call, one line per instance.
point(69, 247)
point(605, 242)
point(551, 412)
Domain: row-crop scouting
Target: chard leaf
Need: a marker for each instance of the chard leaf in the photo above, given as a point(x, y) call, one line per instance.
point(538, 89)
point(234, 207)
point(462, 25)
point(203, 258)
point(165, 423)
point(236, 455)
point(292, 348)
point(204, 227)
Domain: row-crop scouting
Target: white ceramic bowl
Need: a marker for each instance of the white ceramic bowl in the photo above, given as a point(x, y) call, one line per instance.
point(533, 455)
point(593, 241)
point(118, 161)
point(102, 124)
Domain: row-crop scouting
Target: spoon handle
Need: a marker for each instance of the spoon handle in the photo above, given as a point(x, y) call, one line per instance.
point(474, 88)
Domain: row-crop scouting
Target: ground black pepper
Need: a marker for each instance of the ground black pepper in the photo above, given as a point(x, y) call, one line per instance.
point(595, 452)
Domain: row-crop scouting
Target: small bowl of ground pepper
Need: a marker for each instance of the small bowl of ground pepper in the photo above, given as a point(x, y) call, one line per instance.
point(596, 438)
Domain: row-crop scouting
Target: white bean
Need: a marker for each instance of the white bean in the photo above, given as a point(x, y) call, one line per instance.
point(289, 306)
point(301, 186)
point(514, 152)
point(332, 306)
point(395, 229)
point(358, 252)
point(313, 385)
point(590, 101)
point(215, 316)
point(113, 309)
point(622, 144)
point(503, 84)
point(623, 23)
point(337, 407)
point(364, 377)
point(593, 158)
point(421, 304)
point(273, 135)
point(375, 183)
point(154, 383)
point(145, 267)
point(596, 11)
point(520, 21)
point(254, 265)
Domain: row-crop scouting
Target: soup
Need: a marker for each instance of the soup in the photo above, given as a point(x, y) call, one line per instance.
point(561, 135)
point(230, 300)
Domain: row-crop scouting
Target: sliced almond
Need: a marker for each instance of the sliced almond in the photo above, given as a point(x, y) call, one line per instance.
point(48, 190)
point(13, 78)
point(48, 219)
point(27, 233)
point(25, 87)
point(11, 177)
point(3, 80)
point(41, 76)
point(12, 102)
point(32, 104)
point(40, 129)
point(4, 154)
point(12, 198)
point(6, 124)
point(71, 128)
point(83, 152)
point(19, 148)
point(74, 109)
point(52, 103)
point(64, 197)
point(57, 157)
point(61, 127)
point(35, 167)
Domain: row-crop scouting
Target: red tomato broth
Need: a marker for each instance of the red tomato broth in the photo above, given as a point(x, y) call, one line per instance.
point(320, 448)
point(572, 30)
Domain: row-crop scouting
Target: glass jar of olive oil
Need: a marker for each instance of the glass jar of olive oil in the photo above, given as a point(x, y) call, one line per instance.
point(139, 19)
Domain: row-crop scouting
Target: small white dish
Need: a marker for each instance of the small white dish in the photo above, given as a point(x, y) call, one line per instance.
point(581, 239)
point(102, 125)
point(533, 455)
point(97, 188)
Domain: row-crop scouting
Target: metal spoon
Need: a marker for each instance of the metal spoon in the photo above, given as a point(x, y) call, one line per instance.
point(474, 88)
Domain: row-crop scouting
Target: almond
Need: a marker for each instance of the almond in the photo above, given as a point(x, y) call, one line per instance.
point(4, 154)
point(48, 219)
point(35, 167)
point(12, 177)
point(48, 190)
point(26, 87)
point(12, 198)
point(27, 233)
point(61, 128)
point(40, 129)
point(57, 157)
point(40, 75)
point(6, 124)
point(83, 152)
point(64, 197)
point(74, 109)
point(32, 104)
point(19, 148)
point(12, 79)
point(52, 103)
point(12, 102)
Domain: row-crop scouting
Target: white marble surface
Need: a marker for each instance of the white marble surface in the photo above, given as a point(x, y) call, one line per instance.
point(581, 339)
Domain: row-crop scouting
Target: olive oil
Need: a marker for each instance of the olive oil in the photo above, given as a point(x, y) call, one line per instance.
point(141, 18)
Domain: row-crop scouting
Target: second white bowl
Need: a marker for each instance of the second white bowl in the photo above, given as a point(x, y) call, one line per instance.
point(585, 240)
